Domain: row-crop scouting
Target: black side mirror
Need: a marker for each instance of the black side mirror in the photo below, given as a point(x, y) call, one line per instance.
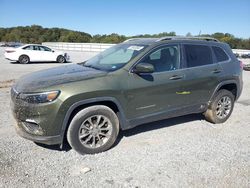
point(143, 68)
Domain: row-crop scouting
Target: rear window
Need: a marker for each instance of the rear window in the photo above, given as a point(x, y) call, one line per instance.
point(220, 54)
point(198, 55)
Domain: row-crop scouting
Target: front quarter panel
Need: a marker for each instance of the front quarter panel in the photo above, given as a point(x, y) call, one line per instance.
point(106, 88)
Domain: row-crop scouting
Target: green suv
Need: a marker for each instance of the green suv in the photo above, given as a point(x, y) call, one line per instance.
point(129, 84)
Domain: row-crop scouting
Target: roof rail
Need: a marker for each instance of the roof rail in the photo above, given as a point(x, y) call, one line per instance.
point(187, 38)
point(131, 39)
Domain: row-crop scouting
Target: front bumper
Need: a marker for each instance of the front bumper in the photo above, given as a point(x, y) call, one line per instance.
point(49, 140)
point(37, 122)
point(67, 57)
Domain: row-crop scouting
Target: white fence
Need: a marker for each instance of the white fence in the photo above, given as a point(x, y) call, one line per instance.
point(240, 51)
point(98, 47)
point(82, 47)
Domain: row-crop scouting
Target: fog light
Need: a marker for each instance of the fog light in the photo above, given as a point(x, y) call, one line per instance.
point(32, 127)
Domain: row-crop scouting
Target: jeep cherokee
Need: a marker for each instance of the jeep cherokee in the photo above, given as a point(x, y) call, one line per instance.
point(129, 84)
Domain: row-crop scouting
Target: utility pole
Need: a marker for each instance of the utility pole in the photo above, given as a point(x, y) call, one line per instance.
point(200, 33)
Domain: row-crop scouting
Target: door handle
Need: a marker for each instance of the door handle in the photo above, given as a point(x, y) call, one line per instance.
point(176, 77)
point(216, 71)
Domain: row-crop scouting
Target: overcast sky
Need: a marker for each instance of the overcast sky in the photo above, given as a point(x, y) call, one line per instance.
point(131, 17)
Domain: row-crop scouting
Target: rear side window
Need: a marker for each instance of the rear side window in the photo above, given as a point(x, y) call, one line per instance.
point(220, 54)
point(198, 55)
point(28, 48)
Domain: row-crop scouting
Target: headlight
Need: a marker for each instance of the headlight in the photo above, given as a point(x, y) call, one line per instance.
point(39, 97)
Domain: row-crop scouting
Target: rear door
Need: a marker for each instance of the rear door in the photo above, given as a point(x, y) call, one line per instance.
point(201, 73)
point(33, 52)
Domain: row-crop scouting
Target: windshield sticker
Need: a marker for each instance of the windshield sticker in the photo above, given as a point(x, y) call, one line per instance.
point(136, 48)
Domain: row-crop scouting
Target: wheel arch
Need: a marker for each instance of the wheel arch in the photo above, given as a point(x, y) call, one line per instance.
point(60, 55)
point(106, 101)
point(23, 55)
point(230, 85)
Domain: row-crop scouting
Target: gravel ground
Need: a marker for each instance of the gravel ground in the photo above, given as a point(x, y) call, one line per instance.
point(180, 152)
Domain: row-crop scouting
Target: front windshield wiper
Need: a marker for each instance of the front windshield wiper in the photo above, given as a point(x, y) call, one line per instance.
point(91, 66)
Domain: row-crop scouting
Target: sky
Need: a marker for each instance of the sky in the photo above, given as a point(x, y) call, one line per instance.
point(131, 17)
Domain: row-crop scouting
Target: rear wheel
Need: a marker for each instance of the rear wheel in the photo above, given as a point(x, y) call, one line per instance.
point(61, 59)
point(93, 130)
point(221, 107)
point(24, 59)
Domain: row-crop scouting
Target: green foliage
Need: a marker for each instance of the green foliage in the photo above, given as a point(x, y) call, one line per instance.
point(113, 38)
point(38, 34)
point(164, 34)
point(235, 43)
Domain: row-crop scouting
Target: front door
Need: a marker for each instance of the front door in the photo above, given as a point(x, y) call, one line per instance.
point(46, 54)
point(157, 92)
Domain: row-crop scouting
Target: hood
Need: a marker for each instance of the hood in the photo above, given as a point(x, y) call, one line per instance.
point(56, 76)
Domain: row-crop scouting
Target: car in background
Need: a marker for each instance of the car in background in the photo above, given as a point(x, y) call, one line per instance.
point(245, 56)
point(35, 53)
point(237, 55)
point(11, 44)
point(246, 67)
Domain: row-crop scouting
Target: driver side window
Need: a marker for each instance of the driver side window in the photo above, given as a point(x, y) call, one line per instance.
point(165, 58)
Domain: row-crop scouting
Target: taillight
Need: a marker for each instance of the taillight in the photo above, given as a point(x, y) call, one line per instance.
point(241, 64)
point(9, 51)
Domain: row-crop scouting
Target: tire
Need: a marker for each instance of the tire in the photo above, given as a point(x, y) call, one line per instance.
point(24, 59)
point(221, 107)
point(61, 59)
point(98, 127)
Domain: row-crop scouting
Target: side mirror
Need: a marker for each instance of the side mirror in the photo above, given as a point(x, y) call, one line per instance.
point(143, 68)
point(53, 51)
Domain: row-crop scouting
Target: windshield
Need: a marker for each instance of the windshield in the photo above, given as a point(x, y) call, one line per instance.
point(115, 57)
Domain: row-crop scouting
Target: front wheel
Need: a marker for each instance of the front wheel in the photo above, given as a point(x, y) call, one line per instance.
point(93, 130)
point(221, 107)
point(61, 59)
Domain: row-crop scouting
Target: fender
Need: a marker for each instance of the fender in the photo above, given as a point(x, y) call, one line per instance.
point(222, 84)
point(121, 114)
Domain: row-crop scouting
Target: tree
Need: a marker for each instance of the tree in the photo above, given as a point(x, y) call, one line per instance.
point(189, 34)
point(38, 34)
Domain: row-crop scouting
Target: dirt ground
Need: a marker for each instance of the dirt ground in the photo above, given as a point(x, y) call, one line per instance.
point(179, 152)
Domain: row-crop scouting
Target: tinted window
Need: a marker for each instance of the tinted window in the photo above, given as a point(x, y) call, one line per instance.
point(28, 48)
point(164, 59)
point(220, 54)
point(198, 55)
point(36, 48)
point(44, 48)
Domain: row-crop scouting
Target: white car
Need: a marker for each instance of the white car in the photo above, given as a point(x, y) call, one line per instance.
point(35, 53)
